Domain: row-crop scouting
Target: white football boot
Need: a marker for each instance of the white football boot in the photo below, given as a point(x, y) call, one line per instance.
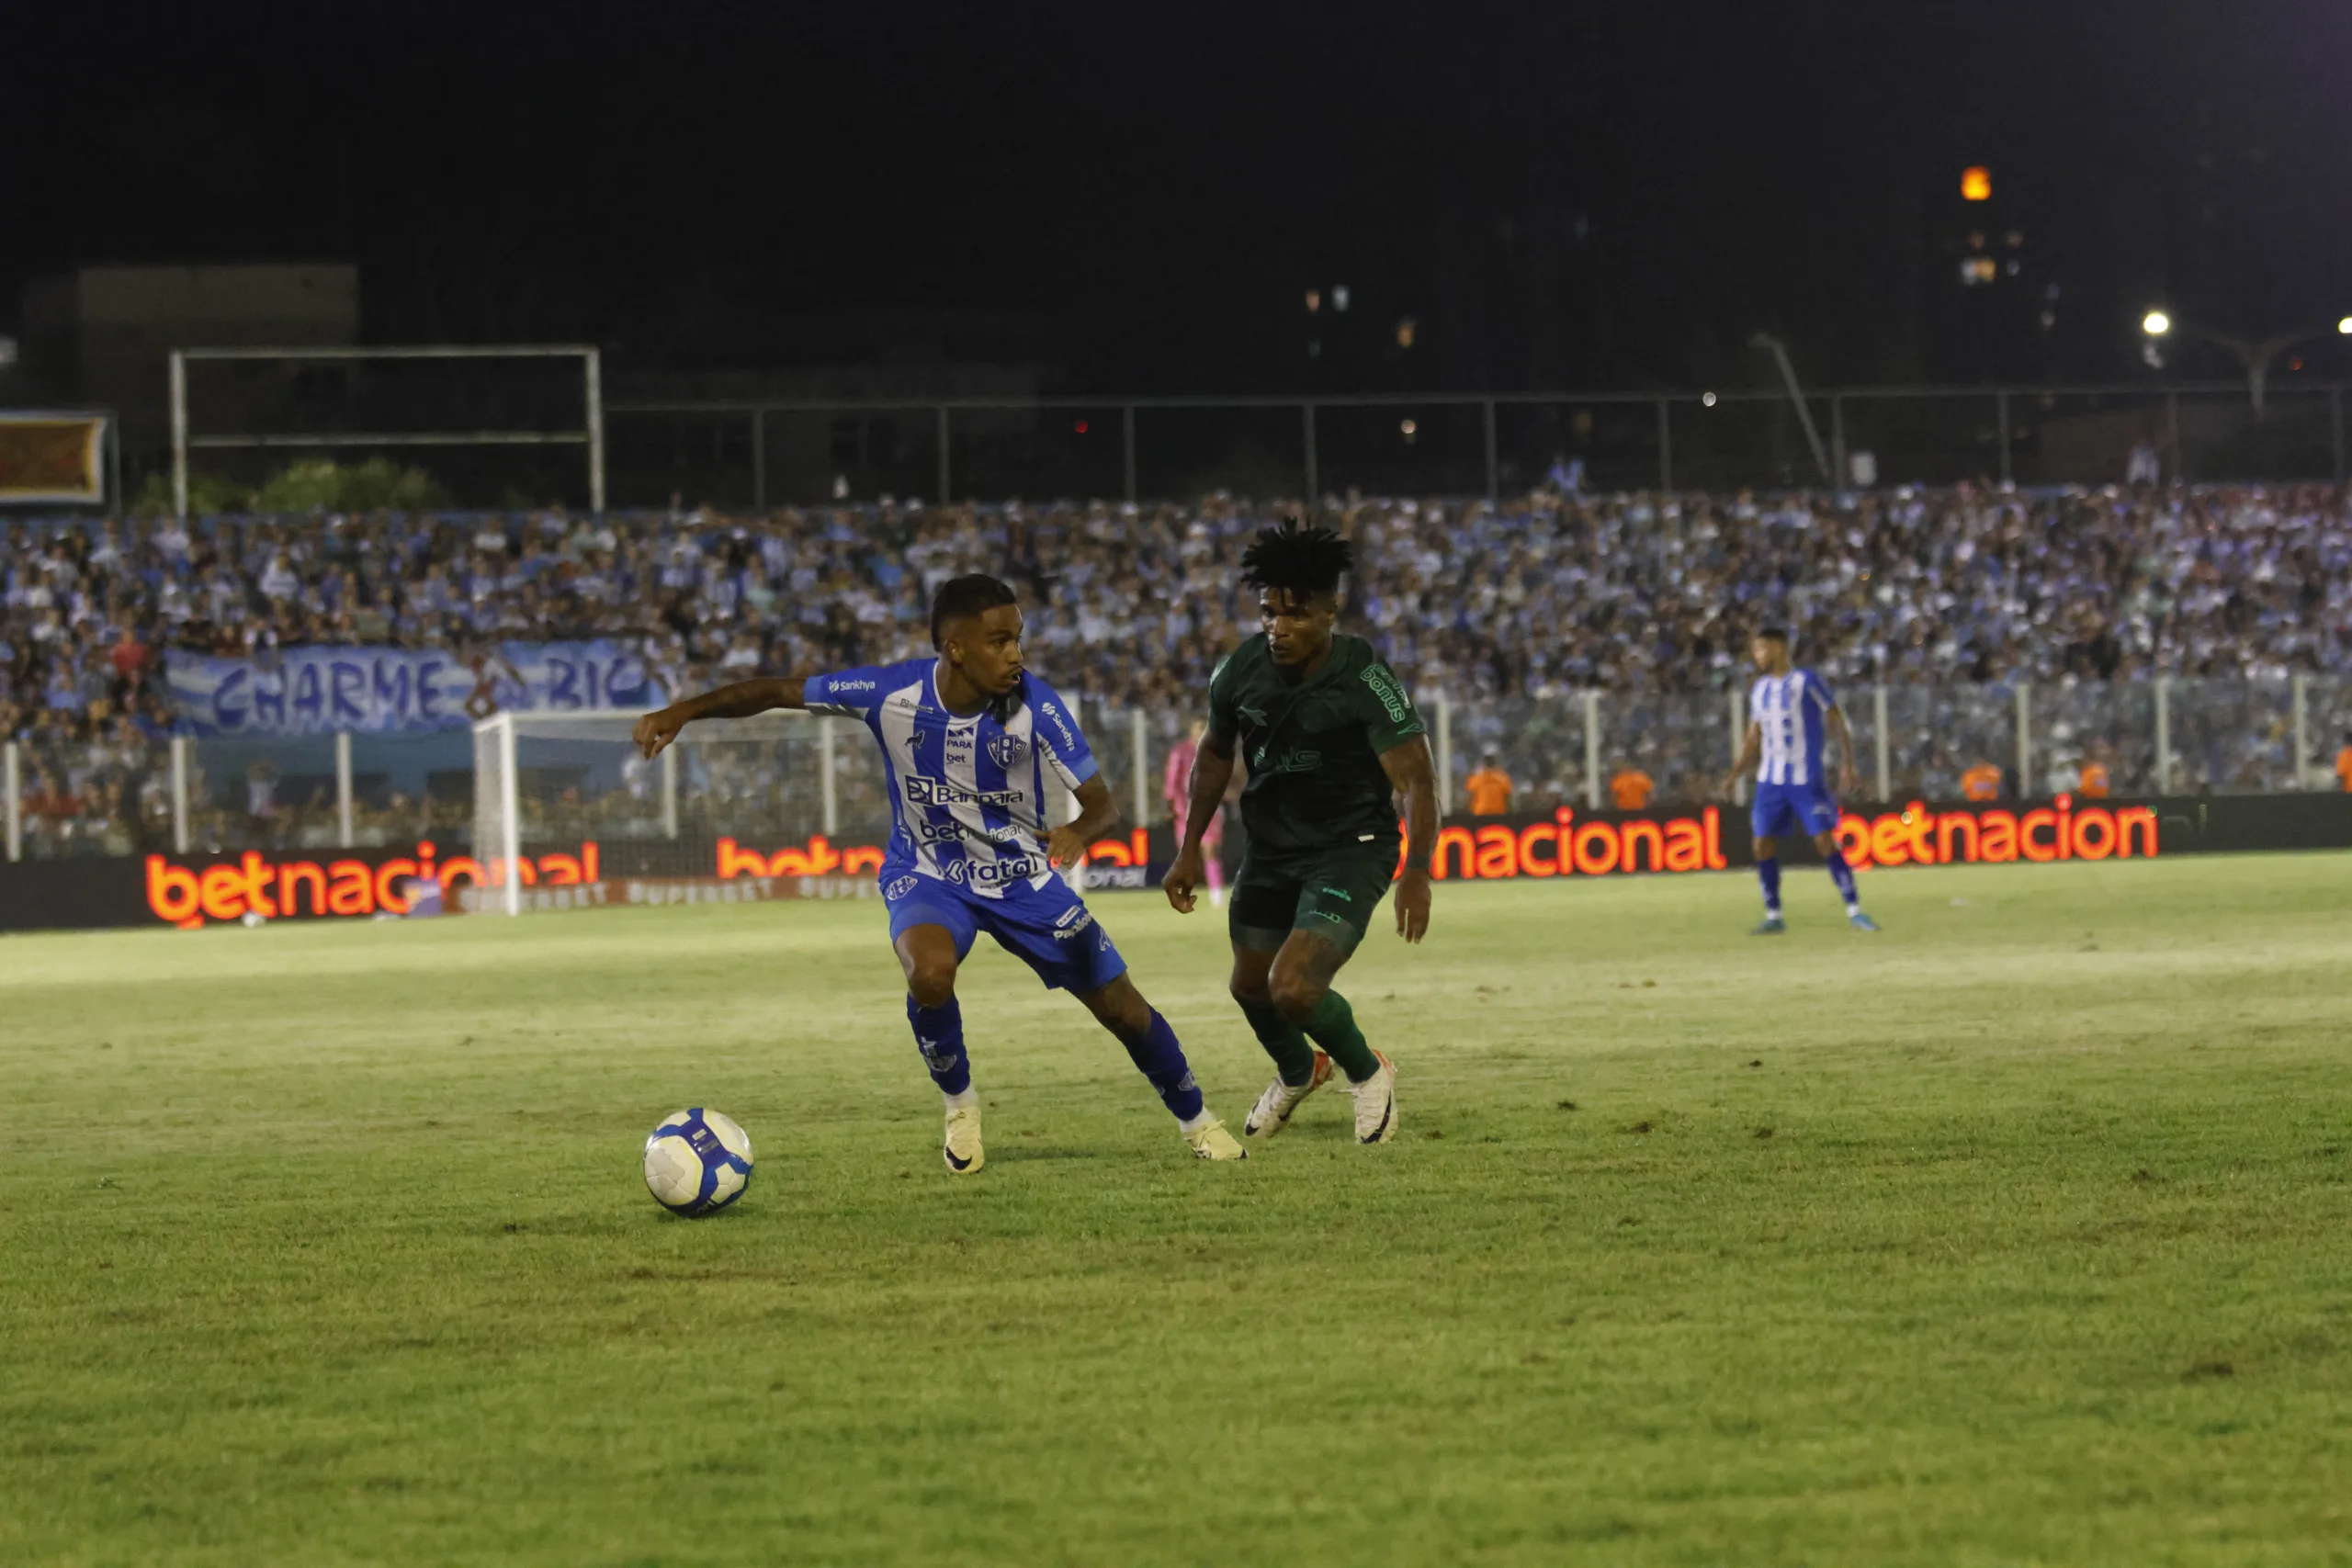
point(1376, 1103)
point(961, 1147)
point(1271, 1113)
point(1211, 1141)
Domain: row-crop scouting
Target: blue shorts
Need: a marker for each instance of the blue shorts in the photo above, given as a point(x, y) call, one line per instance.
point(1780, 806)
point(1049, 929)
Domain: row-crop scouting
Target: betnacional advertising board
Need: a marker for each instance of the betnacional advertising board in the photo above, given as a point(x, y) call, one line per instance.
point(250, 886)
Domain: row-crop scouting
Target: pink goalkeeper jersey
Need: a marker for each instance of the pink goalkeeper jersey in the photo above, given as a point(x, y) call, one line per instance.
point(1179, 787)
point(1180, 758)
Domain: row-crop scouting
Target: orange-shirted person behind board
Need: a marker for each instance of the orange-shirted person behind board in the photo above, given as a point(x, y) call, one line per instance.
point(2094, 785)
point(1982, 782)
point(1632, 788)
point(1489, 789)
point(2343, 763)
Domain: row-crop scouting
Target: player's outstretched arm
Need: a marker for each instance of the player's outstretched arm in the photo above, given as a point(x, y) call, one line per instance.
point(1750, 749)
point(1212, 773)
point(1411, 775)
point(742, 700)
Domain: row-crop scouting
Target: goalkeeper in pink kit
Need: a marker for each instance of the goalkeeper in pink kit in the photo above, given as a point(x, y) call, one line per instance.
point(1178, 789)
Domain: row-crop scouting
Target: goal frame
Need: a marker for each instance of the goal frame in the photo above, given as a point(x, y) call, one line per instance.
point(495, 739)
point(590, 435)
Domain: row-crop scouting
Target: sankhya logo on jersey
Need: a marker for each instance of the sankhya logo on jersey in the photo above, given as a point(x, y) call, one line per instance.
point(993, 873)
point(1384, 686)
point(921, 791)
point(1061, 722)
point(1007, 751)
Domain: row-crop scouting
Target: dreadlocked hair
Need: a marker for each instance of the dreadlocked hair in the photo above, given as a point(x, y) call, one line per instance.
point(1302, 558)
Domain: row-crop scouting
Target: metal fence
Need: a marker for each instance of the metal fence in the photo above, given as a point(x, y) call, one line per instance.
point(778, 452)
point(135, 797)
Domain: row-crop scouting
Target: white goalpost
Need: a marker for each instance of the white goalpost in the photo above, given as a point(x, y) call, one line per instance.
point(565, 780)
point(785, 788)
point(590, 435)
point(498, 814)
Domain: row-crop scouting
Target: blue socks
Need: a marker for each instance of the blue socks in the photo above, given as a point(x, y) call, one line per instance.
point(1768, 871)
point(1157, 1056)
point(1843, 875)
point(939, 1035)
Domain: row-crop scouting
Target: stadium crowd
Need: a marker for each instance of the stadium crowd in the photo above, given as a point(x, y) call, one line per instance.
point(1649, 596)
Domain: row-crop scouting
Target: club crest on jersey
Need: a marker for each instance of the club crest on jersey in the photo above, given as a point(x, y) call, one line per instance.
point(901, 887)
point(1007, 751)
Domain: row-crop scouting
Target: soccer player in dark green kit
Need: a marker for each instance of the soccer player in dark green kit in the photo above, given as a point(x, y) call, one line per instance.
point(1331, 741)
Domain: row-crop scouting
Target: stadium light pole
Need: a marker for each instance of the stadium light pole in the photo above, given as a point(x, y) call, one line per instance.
point(2256, 354)
point(1780, 352)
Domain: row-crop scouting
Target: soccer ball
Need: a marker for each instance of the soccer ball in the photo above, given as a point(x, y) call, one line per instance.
point(697, 1162)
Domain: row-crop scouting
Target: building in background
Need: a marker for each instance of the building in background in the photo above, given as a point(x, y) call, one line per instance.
point(101, 336)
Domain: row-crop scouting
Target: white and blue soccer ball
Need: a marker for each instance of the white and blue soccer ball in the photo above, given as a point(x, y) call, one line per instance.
point(697, 1162)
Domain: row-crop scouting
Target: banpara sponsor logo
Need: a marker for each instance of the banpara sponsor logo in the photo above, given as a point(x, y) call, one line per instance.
point(920, 791)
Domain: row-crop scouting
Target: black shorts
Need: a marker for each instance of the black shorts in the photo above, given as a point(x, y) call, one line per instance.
point(1330, 892)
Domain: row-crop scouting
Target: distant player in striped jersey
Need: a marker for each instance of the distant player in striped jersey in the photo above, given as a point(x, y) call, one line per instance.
point(1792, 716)
point(969, 741)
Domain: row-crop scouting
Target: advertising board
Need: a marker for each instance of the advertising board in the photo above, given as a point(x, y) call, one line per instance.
point(193, 891)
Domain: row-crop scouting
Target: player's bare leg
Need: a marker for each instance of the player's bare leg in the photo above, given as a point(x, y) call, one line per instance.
point(1298, 982)
point(1151, 1046)
point(927, 954)
point(1299, 1067)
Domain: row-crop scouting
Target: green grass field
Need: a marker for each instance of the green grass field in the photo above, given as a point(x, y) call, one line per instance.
point(2020, 1233)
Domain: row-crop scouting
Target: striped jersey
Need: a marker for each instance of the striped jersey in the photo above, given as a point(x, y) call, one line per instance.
point(1792, 711)
point(967, 790)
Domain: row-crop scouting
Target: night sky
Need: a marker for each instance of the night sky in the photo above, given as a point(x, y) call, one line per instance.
point(1558, 194)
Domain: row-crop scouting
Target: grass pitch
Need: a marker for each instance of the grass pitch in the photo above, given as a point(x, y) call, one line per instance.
point(2019, 1234)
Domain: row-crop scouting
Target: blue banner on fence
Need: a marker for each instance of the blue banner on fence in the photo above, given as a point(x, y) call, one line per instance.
point(317, 691)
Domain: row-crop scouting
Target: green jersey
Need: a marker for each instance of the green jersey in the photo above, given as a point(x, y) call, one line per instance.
point(1313, 747)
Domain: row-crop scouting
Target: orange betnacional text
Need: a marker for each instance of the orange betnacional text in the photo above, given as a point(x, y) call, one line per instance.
point(1920, 835)
point(1917, 835)
point(1563, 847)
point(188, 897)
point(815, 858)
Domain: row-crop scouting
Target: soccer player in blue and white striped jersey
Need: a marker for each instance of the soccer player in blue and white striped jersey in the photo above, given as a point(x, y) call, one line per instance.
point(969, 741)
point(1791, 717)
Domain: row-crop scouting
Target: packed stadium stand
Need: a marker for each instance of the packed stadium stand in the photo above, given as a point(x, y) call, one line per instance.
point(1950, 598)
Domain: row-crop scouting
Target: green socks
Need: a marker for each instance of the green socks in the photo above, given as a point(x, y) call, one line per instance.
point(1294, 1058)
point(1333, 1026)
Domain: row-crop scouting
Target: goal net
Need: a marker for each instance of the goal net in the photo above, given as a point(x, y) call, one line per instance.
point(567, 814)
